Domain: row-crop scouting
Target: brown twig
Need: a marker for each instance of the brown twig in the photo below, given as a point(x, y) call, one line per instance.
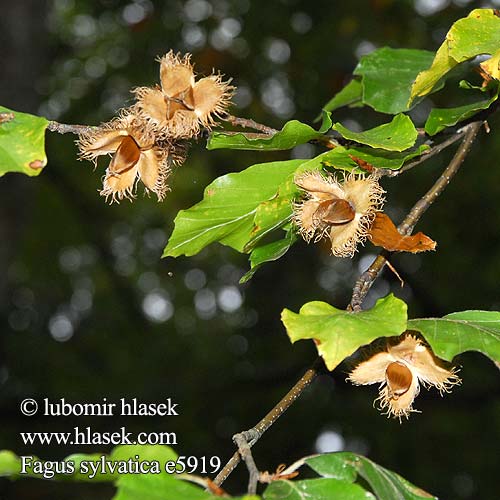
point(247, 439)
point(247, 123)
point(365, 281)
point(64, 128)
point(256, 432)
point(427, 154)
point(242, 440)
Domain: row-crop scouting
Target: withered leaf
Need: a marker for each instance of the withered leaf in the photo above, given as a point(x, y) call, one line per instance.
point(384, 233)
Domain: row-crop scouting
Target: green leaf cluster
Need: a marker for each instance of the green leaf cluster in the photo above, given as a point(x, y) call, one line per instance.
point(338, 333)
point(241, 210)
point(343, 475)
point(348, 476)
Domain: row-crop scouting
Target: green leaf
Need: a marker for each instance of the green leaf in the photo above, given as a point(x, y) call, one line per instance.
point(440, 118)
point(80, 475)
point(387, 75)
point(153, 486)
point(10, 464)
point(226, 213)
point(274, 213)
point(131, 486)
point(339, 333)
point(478, 33)
point(268, 253)
point(386, 485)
point(350, 94)
point(315, 489)
point(22, 143)
point(398, 135)
point(342, 158)
point(292, 134)
point(158, 487)
point(338, 158)
point(332, 465)
point(145, 452)
point(460, 332)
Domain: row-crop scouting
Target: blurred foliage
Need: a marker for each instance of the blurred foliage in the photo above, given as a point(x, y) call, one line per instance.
point(88, 309)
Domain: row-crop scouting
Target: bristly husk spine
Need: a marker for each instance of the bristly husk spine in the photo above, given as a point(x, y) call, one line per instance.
point(363, 193)
point(182, 107)
point(152, 167)
point(414, 364)
point(161, 118)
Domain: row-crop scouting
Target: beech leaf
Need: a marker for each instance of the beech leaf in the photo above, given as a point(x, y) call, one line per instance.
point(338, 333)
point(460, 332)
point(385, 234)
point(292, 134)
point(491, 66)
point(387, 75)
point(440, 118)
point(476, 34)
point(22, 142)
point(226, 213)
point(349, 94)
point(398, 135)
point(383, 482)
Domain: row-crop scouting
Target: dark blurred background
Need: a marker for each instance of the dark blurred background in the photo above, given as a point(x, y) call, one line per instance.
point(88, 310)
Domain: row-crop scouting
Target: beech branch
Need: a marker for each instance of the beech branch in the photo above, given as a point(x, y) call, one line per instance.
point(255, 433)
point(64, 128)
point(247, 123)
point(366, 280)
point(434, 150)
point(247, 439)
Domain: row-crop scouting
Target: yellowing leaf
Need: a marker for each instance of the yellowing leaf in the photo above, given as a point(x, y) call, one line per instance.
point(478, 33)
point(492, 65)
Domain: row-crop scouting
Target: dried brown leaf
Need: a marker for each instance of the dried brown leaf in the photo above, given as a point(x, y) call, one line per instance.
point(383, 233)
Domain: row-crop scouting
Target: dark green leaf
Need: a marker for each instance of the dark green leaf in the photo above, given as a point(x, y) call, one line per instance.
point(339, 333)
point(350, 94)
point(344, 158)
point(398, 135)
point(268, 253)
point(315, 489)
point(292, 134)
point(22, 142)
point(476, 34)
point(331, 465)
point(387, 75)
point(462, 331)
point(226, 213)
point(386, 484)
point(440, 118)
